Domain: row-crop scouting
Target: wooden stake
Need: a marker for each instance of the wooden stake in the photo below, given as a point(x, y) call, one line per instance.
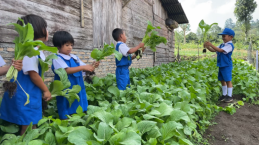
point(82, 14)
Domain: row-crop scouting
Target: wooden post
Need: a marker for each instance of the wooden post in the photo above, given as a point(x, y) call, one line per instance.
point(82, 14)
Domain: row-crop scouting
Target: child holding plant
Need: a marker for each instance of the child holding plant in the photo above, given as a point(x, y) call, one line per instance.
point(13, 108)
point(3, 69)
point(74, 67)
point(122, 70)
point(224, 62)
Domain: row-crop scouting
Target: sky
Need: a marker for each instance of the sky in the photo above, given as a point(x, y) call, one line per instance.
point(211, 11)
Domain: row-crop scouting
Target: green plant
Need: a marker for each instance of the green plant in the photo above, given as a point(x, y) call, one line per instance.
point(63, 87)
point(107, 50)
point(205, 29)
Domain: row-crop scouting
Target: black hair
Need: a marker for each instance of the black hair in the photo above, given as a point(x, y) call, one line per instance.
point(62, 37)
point(38, 23)
point(116, 33)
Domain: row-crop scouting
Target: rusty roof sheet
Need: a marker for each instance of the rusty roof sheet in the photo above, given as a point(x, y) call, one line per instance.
point(175, 11)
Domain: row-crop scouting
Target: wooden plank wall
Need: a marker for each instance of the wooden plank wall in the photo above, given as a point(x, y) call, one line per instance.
point(106, 17)
point(59, 14)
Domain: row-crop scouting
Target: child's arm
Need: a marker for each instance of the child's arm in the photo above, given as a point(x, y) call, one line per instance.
point(17, 65)
point(213, 47)
point(37, 80)
point(133, 50)
point(71, 70)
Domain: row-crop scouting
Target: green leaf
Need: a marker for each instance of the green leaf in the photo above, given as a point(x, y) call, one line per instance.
point(80, 136)
point(125, 138)
point(123, 123)
point(43, 120)
point(104, 131)
point(168, 129)
point(145, 126)
point(114, 90)
point(50, 138)
point(36, 142)
point(241, 103)
point(63, 77)
point(177, 115)
point(12, 128)
point(117, 55)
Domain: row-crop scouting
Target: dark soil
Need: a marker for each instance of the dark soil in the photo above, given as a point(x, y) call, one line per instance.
point(10, 87)
point(242, 128)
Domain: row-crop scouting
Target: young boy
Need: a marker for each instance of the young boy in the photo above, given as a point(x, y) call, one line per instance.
point(224, 62)
point(122, 70)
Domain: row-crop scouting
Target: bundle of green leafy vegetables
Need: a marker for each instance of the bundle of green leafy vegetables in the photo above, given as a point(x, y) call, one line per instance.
point(62, 87)
point(151, 39)
point(107, 50)
point(205, 29)
point(24, 46)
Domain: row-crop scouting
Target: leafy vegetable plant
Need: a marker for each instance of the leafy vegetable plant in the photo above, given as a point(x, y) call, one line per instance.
point(205, 29)
point(45, 64)
point(63, 87)
point(151, 39)
point(24, 46)
point(107, 50)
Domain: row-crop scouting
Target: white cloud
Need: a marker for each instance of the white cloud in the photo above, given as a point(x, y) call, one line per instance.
point(227, 8)
point(211, 11)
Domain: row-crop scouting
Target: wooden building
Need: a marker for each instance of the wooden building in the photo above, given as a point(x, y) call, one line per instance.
point(91, 23)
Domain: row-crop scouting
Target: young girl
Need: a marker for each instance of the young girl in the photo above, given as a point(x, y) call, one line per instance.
point(13, 109)
point(74, 67)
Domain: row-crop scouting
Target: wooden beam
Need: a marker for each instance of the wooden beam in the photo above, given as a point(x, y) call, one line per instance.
point(82, 14)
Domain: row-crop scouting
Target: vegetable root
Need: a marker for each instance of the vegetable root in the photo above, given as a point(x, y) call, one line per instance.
point(88, 77)
point(10, 87)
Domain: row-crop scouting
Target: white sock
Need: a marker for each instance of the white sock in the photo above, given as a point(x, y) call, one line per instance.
point(230, 92)
point(224, 90)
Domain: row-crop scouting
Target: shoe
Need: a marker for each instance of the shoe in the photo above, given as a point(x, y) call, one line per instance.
point(228, 99)
point(222, 98)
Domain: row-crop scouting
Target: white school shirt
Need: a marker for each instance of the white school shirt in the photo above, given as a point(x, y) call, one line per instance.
point(2, 62)
point(227, 47)
point(60, 63)
point(123, 49)
point(32, 64)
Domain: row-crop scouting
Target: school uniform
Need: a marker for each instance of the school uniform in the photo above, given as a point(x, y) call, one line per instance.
point(224, 61)
point(13, 109)
point(122, 69)
point(65, 61)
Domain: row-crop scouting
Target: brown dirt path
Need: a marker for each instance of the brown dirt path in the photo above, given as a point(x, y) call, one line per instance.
point(242, 128)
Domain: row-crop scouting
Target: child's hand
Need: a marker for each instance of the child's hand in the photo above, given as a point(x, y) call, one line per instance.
point(141, 45)
point(96, 64)
point(17, 64)
point(89, 68)
point(207, 44)
point(46, 96)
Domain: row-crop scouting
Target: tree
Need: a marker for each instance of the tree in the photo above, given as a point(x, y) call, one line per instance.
point(186, 28)
point(191, 37)
point(243, 12)
point(213, 33)
point(229, 23)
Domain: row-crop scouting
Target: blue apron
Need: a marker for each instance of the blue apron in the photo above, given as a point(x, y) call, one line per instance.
point(75, 79)
point(13, 109)
point(224, 60)
point(122, 70)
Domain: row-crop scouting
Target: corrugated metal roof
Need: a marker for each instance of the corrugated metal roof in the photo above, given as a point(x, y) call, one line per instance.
point(175, 11)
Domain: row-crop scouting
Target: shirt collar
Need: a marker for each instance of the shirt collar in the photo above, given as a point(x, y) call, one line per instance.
point(67, 57)
point(227, 42)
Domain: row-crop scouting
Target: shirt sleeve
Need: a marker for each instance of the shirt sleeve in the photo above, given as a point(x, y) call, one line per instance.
point(2, 62)
point(123, 49)
point(30, 64)
point(59, 63)
point(227, 48)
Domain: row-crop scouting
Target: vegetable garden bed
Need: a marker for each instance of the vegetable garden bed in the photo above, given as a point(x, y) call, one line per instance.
point(169, 104)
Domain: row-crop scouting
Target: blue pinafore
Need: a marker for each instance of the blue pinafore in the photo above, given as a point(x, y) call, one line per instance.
point(225, 64)
point(13, 109)
point(75, 79)
point(122, 70)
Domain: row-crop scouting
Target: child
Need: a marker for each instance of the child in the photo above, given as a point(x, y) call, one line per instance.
point(224, 62)
point(122, 70)
point(13, 109)
point(74, 67)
